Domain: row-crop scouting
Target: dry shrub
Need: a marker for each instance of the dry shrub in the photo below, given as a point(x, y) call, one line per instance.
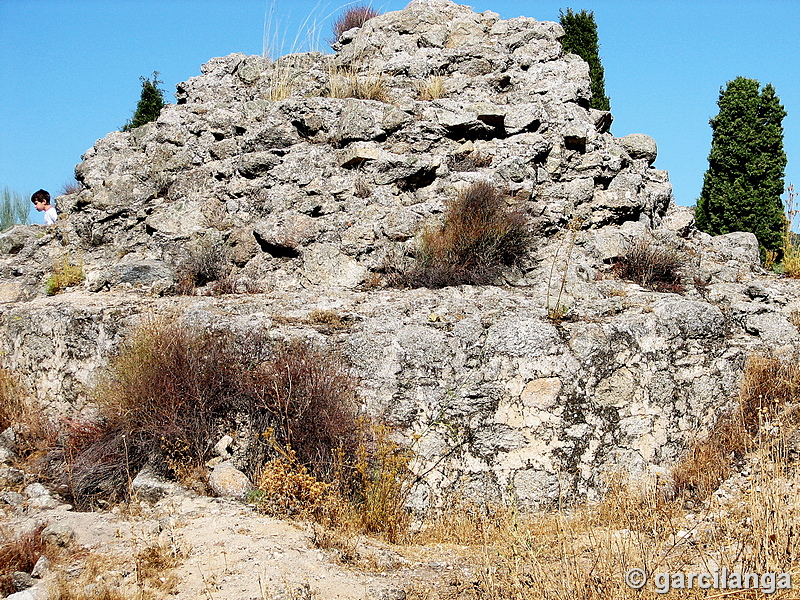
point(353, 16)
point(66, 273)
point(19, 553)
point(72, 186)
point(206, 263)
point(284, 486)
point(765, 418)
point(174, 387)
point(479, 238)
point(652, 264)
point(306, 396)
point(159, 400)
point(468, 161)
point(384, 481)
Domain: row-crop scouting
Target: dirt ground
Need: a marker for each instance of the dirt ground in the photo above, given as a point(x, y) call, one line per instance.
point(225, 549)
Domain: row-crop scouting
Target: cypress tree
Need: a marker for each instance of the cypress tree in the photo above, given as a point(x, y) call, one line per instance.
point(580, 37)
point(150, 103)
point(743, 184)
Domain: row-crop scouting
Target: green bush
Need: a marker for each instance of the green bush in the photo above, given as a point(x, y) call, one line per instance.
point(14, 209)
point(150, 103)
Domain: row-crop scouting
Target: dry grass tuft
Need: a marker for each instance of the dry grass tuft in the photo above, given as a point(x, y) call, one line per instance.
point(19, 553)
point(791, 241)
point(349, 82)
point(766, 417)
point(66, 273)
point(480, 237)
point(432, 88)
point(468, 161)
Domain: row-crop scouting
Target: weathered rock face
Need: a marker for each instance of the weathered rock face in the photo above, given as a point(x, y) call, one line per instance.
point(306, 195)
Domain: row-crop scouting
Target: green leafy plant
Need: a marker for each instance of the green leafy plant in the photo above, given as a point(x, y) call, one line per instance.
point(150, 103)
point(743, 185)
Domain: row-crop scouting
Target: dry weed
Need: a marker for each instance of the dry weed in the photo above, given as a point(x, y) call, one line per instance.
point(352, 17)
point(19, 553)
point(479, 238)
point(653, 264)
point(432, 88)
point(349, 82)
point(66, 273)
point(791, 240)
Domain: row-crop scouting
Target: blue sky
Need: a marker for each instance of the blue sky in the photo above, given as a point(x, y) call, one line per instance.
point(70, 68)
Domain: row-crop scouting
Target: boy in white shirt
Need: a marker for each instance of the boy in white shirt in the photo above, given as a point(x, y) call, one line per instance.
point(41, 200)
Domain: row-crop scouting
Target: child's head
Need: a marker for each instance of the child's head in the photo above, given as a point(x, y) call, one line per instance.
point(41, 200)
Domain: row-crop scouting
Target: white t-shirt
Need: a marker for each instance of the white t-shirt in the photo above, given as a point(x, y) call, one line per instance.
point(50, 216)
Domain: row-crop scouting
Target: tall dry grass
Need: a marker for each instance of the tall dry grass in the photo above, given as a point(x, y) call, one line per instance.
point(791, 240)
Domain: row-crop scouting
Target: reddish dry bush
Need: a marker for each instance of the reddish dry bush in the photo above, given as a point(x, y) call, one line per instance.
point(19, 554)
point(205, 264)
point(652, 265)
point(305, 395)
point(174, 387)
point(354, 16)
point(480, 237)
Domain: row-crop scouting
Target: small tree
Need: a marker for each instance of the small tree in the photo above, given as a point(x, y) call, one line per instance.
point(580, 37)
point(744, 182)
point(150, 103)
point(14, 209)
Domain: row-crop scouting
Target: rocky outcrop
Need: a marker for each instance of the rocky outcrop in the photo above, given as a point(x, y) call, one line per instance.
point(304, 198)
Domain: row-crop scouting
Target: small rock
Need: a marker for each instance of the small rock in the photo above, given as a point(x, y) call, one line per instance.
point(386, 594)
point(221, 448)
point(21, 580)
point(149, 485)
point(41, 567)
point(37, 592)
point(58, 534)
point(227, 481)
point(10, 476)
point(12, 498)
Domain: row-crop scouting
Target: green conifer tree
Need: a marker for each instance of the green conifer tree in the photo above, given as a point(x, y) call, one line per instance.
point(150, 103)
point(580, 37)
point(744, 182)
